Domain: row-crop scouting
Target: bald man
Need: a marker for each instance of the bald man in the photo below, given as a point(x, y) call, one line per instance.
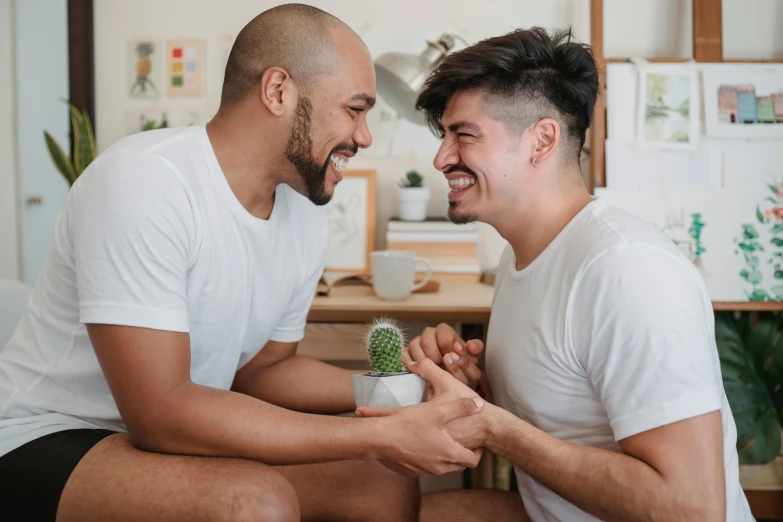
point(154, 375)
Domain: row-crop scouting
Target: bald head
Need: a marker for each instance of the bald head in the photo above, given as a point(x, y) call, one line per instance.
point(298, 38)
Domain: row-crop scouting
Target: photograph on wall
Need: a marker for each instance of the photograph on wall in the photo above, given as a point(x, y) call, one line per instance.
point(668, 107)
point(352, 223)
point(144, 69)
point(743, 100)
point(184, 67)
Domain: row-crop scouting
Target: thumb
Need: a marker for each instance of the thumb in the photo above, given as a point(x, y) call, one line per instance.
point(461, 408)
point(475, 347)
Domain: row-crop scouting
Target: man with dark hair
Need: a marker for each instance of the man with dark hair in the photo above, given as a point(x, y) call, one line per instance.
point(601, 352)
point(154, 375)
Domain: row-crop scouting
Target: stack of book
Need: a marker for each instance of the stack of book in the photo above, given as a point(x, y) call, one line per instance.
point(450, 248)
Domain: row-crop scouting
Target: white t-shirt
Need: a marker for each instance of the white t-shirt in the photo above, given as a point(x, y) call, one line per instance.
point(153, 236)
point(606, 334)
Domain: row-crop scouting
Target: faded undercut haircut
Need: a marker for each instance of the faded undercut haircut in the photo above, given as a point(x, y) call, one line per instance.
point(295, 37)
point(523, 76)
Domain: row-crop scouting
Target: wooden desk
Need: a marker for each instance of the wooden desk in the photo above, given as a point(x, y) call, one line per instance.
point(452, 303)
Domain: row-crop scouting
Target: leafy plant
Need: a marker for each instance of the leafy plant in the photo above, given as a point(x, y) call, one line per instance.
point(385, 342)
point(412, 179)
point(152, 124)
point(695, 232)
point(749, 246)
point(751, 359)
point(83, 147)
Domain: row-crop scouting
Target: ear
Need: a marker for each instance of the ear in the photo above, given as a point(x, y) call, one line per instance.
point(546, 138)
point(277, 90)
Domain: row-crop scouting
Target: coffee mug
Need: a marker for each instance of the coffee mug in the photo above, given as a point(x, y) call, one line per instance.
point(394, 274)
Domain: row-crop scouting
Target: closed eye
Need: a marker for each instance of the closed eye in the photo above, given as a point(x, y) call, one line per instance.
point(465, 134)
point(357, 110)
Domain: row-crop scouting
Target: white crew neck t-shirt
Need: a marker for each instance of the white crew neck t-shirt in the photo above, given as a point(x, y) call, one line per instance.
point(608, 333)
point(153, 236)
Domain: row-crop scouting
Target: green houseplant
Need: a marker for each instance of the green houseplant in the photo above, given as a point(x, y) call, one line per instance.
point(751, 358)
point(412, 197)
point(389, 385)
point(83, 147)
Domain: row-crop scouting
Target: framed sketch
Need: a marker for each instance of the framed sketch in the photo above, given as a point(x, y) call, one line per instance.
point(352, 222)
point(144, 69)
point(668, 107)
point(743, 100)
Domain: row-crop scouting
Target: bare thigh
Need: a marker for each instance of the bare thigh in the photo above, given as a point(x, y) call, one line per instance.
point(353, 491)
point(115, 481)
point(475, 505)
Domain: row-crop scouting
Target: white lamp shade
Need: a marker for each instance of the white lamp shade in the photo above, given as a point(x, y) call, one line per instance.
point(400, 78)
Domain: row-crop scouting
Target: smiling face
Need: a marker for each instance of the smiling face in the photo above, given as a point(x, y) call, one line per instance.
point(330, 125)
point(483, 163)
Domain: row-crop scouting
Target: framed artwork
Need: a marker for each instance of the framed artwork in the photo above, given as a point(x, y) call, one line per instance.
point(352, 222)
point(743, 100)
point(668, 107)
point(144, 69)
point(184, 68)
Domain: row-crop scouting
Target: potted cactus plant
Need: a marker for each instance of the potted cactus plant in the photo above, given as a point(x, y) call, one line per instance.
point(389, 385)
point(413, 197)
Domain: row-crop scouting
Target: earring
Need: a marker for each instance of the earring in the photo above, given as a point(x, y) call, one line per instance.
point(533, 161)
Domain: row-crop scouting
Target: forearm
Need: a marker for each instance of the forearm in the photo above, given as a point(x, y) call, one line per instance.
point(196, 420)
point(610, 485)
point(302, 384)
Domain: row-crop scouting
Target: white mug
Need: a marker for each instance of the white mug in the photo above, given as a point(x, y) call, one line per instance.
point(394, 274)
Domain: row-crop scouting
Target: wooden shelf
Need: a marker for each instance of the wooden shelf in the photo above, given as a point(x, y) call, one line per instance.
point(747, 306)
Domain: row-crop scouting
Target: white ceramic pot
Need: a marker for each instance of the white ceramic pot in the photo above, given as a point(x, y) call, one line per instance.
point(389, 391)
point(412, 202)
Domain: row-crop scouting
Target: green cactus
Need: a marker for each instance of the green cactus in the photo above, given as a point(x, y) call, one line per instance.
point(412, 179)
point(385, 342)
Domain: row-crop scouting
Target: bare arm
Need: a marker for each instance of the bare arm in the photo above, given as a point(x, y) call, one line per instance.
point(672, 473)
point(148, 372)
point(278, 376)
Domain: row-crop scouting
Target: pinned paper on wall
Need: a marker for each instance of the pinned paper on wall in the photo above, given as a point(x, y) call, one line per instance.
point(184, 67)
point(144, 69)
point(743, 100)
point(668, 107)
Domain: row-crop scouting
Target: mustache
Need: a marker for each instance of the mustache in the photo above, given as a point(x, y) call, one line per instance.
point(348, 147)
point(459, 167)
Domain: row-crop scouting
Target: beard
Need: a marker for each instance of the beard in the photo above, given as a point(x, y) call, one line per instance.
point(460, 217)
point(298, 153)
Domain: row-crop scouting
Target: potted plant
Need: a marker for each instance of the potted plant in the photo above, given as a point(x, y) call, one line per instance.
point(413, 197)
point(83, 147)
point(389, 385)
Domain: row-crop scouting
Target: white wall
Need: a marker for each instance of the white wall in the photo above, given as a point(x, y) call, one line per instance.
point(9, 222)
point(631, 28)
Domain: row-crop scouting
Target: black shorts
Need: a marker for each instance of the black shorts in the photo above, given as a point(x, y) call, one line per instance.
point(33, 476)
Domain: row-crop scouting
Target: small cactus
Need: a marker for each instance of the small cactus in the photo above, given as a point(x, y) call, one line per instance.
point(385, 342)
point(412, 179)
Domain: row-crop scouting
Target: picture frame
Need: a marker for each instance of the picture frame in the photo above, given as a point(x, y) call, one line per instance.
point(668, 107)
point(743, 100)
point(352, 222)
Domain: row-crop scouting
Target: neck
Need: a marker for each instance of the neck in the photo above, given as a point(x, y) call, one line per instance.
point(245, 152)
point(531, 227)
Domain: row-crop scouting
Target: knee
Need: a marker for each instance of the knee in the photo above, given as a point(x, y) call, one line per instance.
point(398, 492)
point(266, 498)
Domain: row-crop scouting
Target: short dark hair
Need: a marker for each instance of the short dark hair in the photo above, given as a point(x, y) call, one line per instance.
point(524, 75)
point(295, 37)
